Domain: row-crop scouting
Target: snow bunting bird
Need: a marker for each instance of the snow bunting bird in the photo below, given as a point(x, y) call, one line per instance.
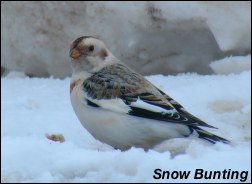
point(119, 106)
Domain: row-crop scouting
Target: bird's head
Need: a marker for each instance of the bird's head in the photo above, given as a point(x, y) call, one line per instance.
point(89, 53)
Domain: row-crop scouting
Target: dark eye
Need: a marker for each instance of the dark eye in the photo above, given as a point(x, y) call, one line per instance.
point(91, 48)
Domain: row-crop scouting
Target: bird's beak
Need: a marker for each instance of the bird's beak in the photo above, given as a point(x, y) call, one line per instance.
point(75, 53)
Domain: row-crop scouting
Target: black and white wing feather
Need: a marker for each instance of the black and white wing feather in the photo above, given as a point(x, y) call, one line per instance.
point(131, 93)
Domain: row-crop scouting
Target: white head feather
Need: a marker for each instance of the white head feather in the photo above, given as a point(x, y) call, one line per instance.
point(90, 54)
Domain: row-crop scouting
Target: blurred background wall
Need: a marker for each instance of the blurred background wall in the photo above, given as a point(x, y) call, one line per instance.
point(151, 37)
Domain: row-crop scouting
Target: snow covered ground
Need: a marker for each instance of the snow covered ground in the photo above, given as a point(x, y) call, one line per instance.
point(33, 107)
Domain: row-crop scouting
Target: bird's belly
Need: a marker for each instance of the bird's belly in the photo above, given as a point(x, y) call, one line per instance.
point(124, 131)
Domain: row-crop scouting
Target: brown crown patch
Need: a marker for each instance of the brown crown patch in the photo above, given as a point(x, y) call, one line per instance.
point(76, 42)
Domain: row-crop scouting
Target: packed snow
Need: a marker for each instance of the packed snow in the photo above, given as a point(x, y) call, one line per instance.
point(153, 37)
point(226, 65)
point(33, 108)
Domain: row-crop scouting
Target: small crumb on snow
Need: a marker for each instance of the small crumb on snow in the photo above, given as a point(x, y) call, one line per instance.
point(56, 137)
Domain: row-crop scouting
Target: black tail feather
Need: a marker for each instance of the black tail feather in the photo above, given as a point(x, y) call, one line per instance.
point(203, 134)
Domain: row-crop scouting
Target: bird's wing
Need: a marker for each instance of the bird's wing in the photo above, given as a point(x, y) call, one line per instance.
point(118, 88)
point(184, 112)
